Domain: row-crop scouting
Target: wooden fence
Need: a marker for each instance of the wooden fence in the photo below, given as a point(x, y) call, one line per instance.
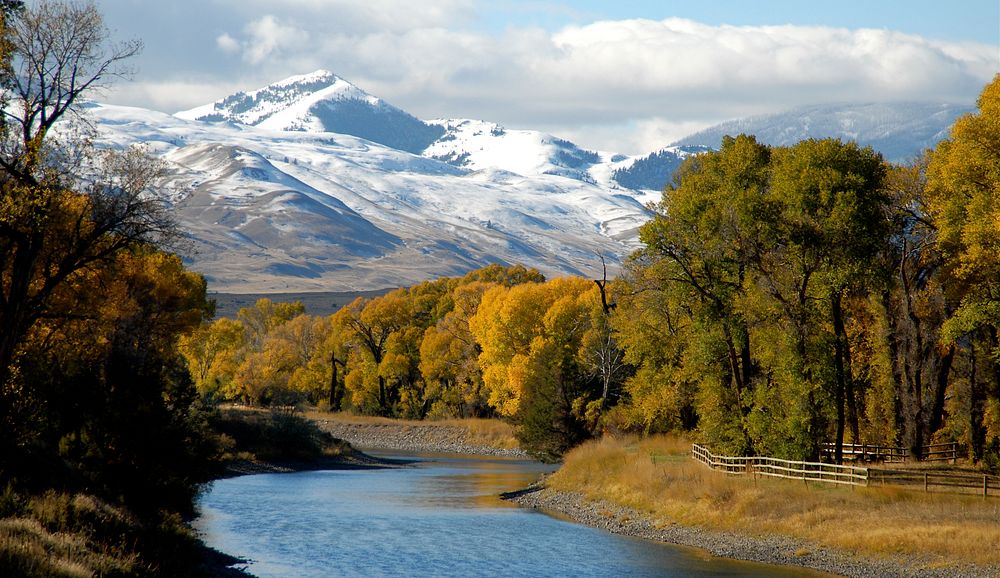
point(936, 481)
point(891, 454)
point(788, 469)
point(959, 482)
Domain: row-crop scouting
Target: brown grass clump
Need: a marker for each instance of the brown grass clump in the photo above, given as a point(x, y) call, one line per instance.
point(652, 475)
point(67, 535)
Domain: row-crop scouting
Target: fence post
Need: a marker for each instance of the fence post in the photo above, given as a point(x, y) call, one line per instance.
point(986, 486)
point(925, 481)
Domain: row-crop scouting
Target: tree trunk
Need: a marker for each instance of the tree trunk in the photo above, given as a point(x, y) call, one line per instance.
point(383, 403)
point(977, 431)
point(335, 394)
point(940, 388)
point(840, 344)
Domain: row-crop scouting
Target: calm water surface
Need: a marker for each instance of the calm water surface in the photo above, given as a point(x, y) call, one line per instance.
point(440, 517)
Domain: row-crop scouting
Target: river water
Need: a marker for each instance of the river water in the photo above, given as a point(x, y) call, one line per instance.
point(439, 517)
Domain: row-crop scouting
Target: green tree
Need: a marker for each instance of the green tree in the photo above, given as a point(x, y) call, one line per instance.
point(709, 229)
point(832, 226)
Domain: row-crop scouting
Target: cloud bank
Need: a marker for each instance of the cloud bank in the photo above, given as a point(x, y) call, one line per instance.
point(629, 85)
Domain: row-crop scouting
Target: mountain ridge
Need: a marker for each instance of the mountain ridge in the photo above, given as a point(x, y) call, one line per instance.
point(287, 203)
point(900, 131)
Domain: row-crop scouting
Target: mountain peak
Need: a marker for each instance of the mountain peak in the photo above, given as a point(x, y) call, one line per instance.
point(279, 104)
point(320, 75)
point(320, 101)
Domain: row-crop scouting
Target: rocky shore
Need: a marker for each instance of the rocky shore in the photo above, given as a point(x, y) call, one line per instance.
point(411, 437)
point(769, 550)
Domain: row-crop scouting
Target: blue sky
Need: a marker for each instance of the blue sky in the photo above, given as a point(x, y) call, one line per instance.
point(618, 76)
point(977, 20)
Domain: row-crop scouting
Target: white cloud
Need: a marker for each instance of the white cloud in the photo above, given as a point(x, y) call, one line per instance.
point(365, 17)
point(227, 43)
point(269, 37)
point(648, 79)
point(172, 96)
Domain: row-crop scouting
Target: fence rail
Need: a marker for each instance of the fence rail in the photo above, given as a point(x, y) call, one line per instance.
point(788, 469)
point(967, 483)
point(982, 484)
point(893, 454)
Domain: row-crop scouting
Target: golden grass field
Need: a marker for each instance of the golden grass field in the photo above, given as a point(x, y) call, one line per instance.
point(938, 529)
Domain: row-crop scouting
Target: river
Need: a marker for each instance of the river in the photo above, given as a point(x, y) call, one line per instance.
point(439, 517)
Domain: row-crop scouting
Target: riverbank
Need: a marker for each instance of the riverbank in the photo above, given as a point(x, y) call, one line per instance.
point(649, 488)
point(768, 550)
point(473, 437)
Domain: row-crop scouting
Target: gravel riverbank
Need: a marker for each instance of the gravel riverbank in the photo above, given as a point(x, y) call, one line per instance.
point(620, 520)
point(410, 437)
point(769, 550)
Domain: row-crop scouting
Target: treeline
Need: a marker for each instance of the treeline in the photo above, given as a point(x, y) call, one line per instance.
point(789, 296)
point(784, 297)
point(500, 341)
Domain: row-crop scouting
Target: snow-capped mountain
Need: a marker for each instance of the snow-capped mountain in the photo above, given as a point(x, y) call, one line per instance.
point(269, 210)
point(312, 184)
point(324, 102)
point(321, 102)
point(900, 131)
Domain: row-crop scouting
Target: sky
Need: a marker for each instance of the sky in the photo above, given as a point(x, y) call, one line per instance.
point(622, 76)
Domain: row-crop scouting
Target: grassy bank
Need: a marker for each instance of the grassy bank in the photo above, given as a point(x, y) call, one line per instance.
point(491, 433)
point(75, 534)
point(939, 530)
point(59, 534)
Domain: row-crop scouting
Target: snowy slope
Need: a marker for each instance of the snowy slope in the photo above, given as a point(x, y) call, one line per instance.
point(320, 102)
point(900, 131)
point(293, 210)
point(478, 145)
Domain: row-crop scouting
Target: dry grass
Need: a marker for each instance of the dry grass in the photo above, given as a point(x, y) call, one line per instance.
point(479, 432)
point(654, 476)
point(58, 539)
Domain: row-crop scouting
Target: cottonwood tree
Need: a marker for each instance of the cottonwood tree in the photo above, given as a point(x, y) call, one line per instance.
point(370, 325)
point(831, 228)
point(963, 201)
point(531, 337)
point(55, 224)
point(701, 246)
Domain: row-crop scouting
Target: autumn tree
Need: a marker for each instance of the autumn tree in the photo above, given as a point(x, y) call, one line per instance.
point(449, 357)
point(531, 336)
point(213, 353)
point(56, 223)
point(371, 323)
point(963, 202)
